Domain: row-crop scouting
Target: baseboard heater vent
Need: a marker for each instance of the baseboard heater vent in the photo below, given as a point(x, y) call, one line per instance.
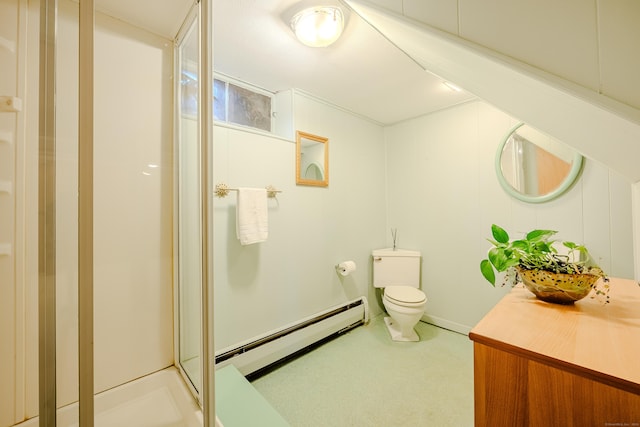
point(265, 350)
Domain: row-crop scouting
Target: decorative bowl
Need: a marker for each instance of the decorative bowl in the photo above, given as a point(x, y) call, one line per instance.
point(557, 288)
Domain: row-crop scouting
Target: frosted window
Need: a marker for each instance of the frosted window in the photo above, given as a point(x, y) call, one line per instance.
point(248, 108)
point(241, 105)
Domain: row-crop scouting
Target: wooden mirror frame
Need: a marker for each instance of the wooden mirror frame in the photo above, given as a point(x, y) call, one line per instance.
point(301, 179)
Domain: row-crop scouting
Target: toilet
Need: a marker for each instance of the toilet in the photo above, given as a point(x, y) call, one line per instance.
point(398, 272)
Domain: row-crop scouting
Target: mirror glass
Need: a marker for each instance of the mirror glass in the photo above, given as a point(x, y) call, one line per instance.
point(312, 160)
point(534, 167)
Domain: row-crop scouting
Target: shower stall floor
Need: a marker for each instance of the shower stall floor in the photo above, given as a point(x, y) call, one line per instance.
point(158, 399)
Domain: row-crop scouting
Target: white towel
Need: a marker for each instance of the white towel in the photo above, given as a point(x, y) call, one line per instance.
point(252, 222)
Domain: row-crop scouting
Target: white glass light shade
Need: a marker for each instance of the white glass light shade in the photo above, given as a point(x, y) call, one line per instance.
point(318, 26)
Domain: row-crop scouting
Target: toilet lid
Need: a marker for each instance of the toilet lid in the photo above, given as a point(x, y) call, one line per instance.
point(405, 294)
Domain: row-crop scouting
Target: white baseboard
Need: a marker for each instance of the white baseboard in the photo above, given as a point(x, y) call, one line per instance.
point(446, 324)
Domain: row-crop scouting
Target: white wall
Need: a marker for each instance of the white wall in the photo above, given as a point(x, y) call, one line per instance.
point(433, 179)
point(265, 286)
point(133, 206)
point(132, 203)
point(444, 196)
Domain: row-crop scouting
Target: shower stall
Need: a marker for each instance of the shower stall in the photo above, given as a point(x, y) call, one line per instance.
point(104, 170)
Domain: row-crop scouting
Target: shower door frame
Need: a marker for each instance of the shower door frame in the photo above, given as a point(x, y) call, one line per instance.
point(202, 16)
point(206, 159)
point(190, 25)
point(47, 214)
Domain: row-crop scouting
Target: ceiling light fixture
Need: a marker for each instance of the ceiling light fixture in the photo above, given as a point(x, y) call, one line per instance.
point(318, 26)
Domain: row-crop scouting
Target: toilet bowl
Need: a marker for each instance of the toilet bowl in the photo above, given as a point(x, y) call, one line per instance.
point(405, 306)
point(397, 271)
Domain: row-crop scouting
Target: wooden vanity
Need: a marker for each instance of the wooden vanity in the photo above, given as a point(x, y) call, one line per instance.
point(540, 364)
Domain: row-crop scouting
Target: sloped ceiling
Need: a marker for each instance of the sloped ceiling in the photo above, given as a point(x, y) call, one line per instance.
point(600, 128)
point(363, 72)
point(377, 69)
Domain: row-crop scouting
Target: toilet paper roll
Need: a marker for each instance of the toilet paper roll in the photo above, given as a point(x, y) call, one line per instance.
point(347, 267)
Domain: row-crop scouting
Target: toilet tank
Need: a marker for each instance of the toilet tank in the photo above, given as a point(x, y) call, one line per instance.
point(396, 267)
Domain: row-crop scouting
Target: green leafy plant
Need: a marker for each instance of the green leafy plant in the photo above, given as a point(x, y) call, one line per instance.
point(536, 251)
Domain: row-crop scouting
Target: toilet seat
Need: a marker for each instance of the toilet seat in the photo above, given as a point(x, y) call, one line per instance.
point(406, 296)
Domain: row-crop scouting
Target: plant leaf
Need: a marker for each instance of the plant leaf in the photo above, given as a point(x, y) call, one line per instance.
point(536, 235)
point(511, 263)
point(520, 244)
point(498, 258)
point(499, 234)
point(496, 244)
point(545, 247)
point(487, 271)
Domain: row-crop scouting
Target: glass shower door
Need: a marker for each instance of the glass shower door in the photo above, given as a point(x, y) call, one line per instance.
point(189, 230)
point(106, 233)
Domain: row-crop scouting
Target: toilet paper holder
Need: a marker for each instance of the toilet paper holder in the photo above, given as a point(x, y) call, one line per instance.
point(346, 267)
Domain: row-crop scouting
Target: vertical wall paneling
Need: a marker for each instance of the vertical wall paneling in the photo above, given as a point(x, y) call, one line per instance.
point(563, 214)
point(596, 211)
point(284, 123)
point(621, 206)
point(311, 229)
point(436, 184)
point(490, 127)
point(433, 164)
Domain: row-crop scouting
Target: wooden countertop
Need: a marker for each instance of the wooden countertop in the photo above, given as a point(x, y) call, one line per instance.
point(590, 338)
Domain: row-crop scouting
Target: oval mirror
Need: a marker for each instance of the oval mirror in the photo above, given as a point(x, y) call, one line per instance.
point(534, 167)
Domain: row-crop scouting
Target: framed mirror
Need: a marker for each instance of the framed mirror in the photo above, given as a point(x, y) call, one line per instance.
point(534, 167)
point(312, 160)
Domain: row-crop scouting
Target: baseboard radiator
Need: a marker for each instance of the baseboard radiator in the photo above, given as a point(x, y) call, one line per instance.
point(261, 352)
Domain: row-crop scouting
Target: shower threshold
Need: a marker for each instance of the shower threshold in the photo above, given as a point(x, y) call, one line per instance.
point(158, 399)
